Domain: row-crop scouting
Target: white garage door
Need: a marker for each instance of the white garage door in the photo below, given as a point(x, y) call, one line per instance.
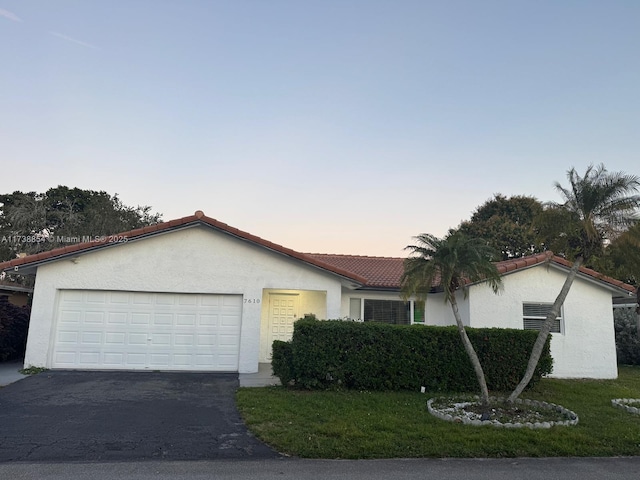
point(147, 331)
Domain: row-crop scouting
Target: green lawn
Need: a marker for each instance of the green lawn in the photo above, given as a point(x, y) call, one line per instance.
point(352, 424)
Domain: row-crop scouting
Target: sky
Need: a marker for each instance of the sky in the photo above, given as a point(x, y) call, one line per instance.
point(333, 126)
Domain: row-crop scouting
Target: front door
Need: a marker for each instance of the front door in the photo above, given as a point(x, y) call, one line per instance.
point(283, 312)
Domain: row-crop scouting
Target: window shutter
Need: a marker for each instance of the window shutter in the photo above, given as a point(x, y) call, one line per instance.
point(534, 315)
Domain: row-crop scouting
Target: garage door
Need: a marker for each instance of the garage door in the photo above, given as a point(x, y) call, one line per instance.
point(147, 331)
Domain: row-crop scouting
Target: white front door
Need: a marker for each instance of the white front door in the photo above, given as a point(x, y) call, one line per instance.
point(283, 312)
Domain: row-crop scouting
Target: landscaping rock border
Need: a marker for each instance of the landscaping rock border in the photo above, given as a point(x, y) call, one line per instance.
point(623, 403)
point(572, 417)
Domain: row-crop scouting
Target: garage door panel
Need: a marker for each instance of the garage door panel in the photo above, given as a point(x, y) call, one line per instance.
point(116, 318)
point(140, 318)
point(186, 319)
point(163, 319)
point(160, 339)
point(184, 340)
point(113, 359)
point(96, 297)
point(91, 338)
point(142, 298)
point(89, 358)
point(65, 337)
point(70, 316)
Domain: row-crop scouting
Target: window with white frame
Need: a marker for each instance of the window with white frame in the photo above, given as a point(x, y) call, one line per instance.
point(534, 315)
point(386, 311)
point(355, 312)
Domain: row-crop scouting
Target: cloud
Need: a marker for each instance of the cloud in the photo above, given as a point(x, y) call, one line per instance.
point(9, 15)
point(73, 40)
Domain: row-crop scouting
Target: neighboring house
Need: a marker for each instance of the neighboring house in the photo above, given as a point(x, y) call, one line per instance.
point(16, 294)
point(196, 294)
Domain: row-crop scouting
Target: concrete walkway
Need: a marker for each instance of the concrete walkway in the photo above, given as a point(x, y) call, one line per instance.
point(264, 377)
point(9, 373)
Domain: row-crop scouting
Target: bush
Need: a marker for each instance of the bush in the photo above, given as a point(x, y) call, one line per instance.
point(14, 323)
point(375, 356)
point(627, 340)
point(282, 361)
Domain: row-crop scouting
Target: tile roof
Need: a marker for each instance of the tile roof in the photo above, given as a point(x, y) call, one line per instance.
point(379, 272)
point(386, 272)
point(198, 218)
point(507, 266)
point(370, 272)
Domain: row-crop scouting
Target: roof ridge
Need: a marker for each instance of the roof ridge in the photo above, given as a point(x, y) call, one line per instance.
point(356, 256)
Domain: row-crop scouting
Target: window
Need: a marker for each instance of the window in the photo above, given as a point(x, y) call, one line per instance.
point(418, 312)
point(534, 315)
point(387, 311)
point(354, 309)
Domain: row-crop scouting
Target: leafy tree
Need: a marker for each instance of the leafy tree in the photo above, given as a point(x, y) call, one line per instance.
point(627, 340)
point(597, 207)
point(507, 225)
point(624, 256)
point(622, 259)
point(451, 262)
point(33, 222)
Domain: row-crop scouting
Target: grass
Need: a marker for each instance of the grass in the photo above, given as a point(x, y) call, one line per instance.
point(352, 424)
point(32, 370)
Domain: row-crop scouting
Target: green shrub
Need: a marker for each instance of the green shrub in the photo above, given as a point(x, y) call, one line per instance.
point(627, 340)
point(14, 323)
point(282, 361)
point(375, 356)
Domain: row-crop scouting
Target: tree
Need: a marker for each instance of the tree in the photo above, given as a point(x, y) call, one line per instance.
point(597, 207)
point(451, 263)
point(507, 224)
point(33, 222)
point(624, 255)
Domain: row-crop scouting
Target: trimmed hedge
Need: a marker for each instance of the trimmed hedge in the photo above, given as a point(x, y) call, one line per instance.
point(14, 323)
point(627, 339)
point(375, 356)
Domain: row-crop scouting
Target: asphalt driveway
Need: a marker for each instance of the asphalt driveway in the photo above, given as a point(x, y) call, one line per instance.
point(126, 416)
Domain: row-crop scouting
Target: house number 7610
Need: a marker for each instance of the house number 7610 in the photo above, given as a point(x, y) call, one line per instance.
point(251, 300)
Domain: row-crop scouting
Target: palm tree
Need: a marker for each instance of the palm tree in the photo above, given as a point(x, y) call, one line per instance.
point(451, 263)
point(597, 207)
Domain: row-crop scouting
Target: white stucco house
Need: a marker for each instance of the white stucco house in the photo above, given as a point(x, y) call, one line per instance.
point(196, 294)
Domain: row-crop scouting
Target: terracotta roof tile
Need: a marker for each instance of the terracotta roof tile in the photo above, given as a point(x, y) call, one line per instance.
point(380, 272)
point(507, 266)
point(372, 272)
point(386, 272)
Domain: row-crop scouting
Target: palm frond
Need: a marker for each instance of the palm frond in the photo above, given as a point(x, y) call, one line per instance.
point(450, 263)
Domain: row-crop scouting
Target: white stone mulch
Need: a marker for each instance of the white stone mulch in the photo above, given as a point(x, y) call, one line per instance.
point(630, 405)
point(456, 413)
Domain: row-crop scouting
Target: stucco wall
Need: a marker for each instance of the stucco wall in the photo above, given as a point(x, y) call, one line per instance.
point(440, 313)
point(586, 346)
point(193, 260)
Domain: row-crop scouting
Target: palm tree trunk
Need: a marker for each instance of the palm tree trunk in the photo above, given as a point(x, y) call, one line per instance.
point(538, 346)
point(473, 356)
